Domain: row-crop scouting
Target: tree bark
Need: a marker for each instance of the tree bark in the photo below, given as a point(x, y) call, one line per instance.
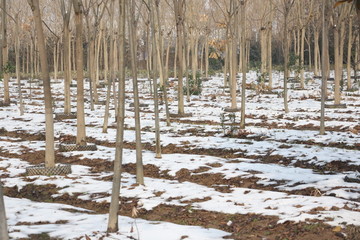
point(17, 57)
point(112, 70)
point(113, 225)
point(49, 120)
point(157, 61)
point(323, 67)
point(179, 19)
point(133, 51)
point(80, 112)
point(349, 55)
point(5, 54)
point(243, 61)
point(3, 224)
point(66, 13)
point(337, 96)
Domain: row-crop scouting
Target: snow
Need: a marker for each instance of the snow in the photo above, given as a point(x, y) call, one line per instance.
point(334, 201)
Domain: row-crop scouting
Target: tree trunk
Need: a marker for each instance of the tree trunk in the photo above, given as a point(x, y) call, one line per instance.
point(3, 224)
point(92, 71)
point(133, 47)
point(232, 54)
point(157, 61)
point(67, 62)
point(112, 71)
point(49, 120)
point(323, 67)
point(286, 53)
point(17, 57)
point(316, 52)
point(5, 54)
point(269, 45)
point(207, 56)
point(179, 18)
point(243, 67)
point(349, 55)
point(302, 49)
point(80, 112)
point(56, 58)
point(263, 46)
point(113, 225)
point(164, 88)
point(337, 96)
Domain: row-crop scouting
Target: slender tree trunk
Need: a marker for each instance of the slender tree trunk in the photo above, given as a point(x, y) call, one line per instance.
point(112, 71)
point(269, 46)
point(3, 224)
point(206, 56)
point(92, 70)
point(27, 57)
point(113, 225)
point(80, 112)
point(316, 52)
point(243, 67)
point(179, 15)
point(226, 65)
point(97, 57)
point(67, 67)
point(232, 55)
point(5, 54)
point(349, 55)
point(167, 111)
point(157, 61)
point(302, 49)
point(175, 59)
point(56, 58)
point(73, 54)
point(17, 56)
point(49, 120)
point(263, 45)
point(133, 47)
point(106, 59)
point(323, 67)
point(286, 54)
point(167, 59)
point(337, 66)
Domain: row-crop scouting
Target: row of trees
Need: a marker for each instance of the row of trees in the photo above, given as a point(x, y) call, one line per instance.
point(190, 29)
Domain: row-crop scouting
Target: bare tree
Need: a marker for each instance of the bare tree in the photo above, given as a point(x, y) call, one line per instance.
point(113, 225)
point(179, 13)
point(80, 112)
point(66, 13)
point(133, 51)
point(5, 52)
point(243, 61)
point(287, 5)
point(49, 119)
point(325, 44)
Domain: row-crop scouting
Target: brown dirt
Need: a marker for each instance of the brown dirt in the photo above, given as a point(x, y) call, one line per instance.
point(242, 226)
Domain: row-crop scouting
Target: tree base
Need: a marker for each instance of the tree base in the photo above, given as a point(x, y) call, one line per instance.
point(2, 104)
point(101, 102)
point(62, 116)
point(76, 147)
point(232, 110)
point(59, 169)
point(180, 115)
point(140, 105)
point(335, 105)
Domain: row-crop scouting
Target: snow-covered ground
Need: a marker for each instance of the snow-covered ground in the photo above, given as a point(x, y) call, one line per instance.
point(270, 133)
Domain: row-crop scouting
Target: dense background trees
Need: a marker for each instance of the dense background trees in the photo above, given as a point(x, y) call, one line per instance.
point(215, 21)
